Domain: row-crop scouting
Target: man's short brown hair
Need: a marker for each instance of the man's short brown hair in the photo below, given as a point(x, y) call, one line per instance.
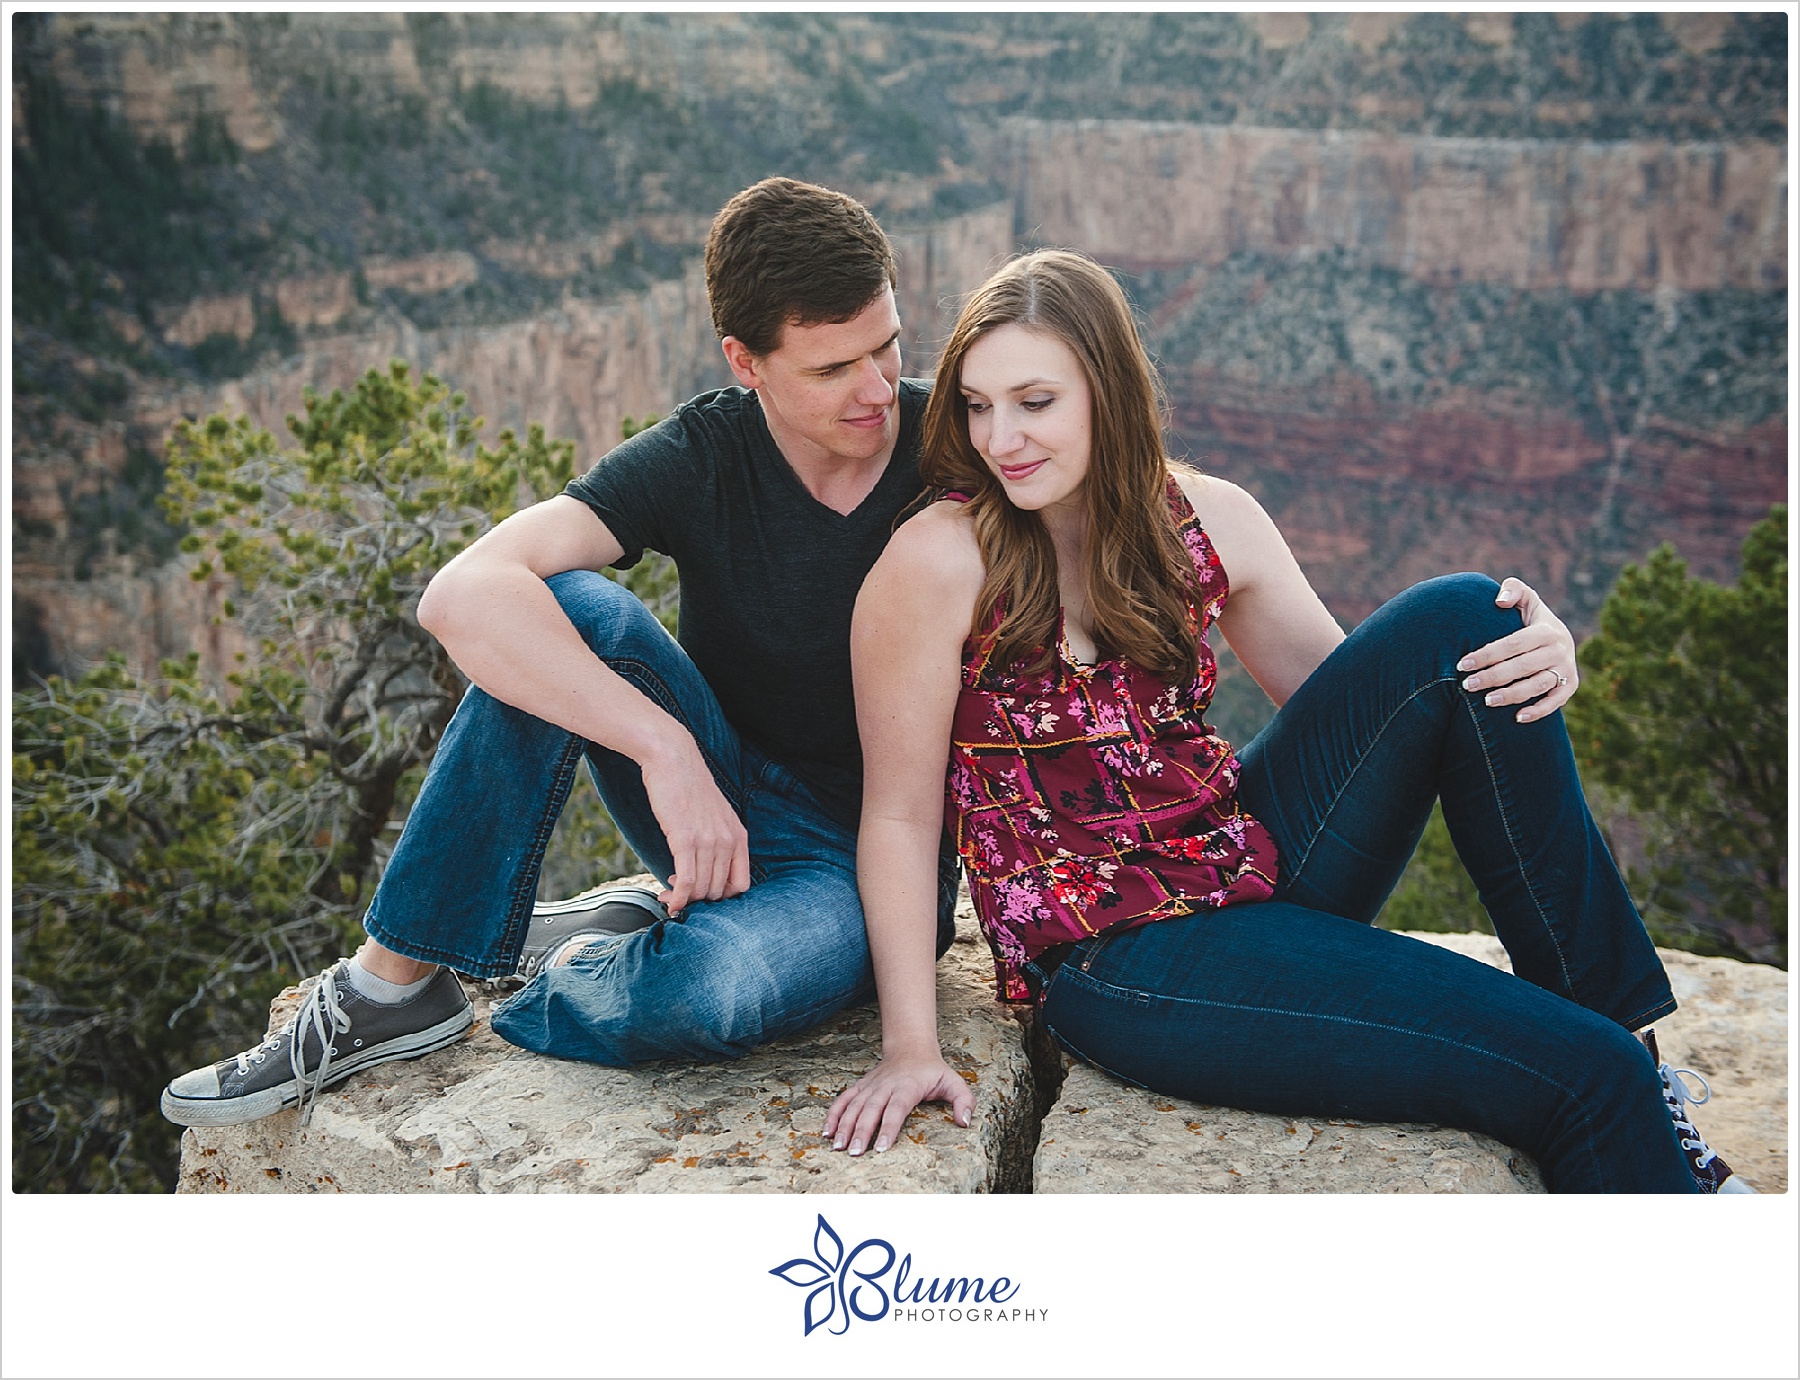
point(786, 251)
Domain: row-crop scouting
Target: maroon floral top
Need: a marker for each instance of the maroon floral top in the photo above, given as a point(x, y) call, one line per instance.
point(1092, 798)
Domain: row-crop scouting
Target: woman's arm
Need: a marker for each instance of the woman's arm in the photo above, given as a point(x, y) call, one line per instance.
point(1281, 631)
point(906, 653)
point(1273, 620)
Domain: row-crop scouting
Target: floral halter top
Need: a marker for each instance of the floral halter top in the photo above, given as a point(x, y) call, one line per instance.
point(1094, 798)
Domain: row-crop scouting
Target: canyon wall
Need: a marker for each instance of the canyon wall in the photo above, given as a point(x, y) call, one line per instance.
point(579, 370)
point(1232, 149)
point(1530, 213)
point(1345, 416)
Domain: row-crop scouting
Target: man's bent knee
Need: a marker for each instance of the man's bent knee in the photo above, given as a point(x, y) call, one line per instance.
point(612, 620)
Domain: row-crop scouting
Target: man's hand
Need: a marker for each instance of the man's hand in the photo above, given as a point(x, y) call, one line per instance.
point(1534, 667)
point(707, 840)
point(876, 1106)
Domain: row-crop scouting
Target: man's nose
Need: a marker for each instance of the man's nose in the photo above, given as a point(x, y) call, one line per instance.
point(872, 386)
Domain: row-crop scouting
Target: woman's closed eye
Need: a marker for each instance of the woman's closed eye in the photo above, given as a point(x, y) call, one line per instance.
point(978, 408)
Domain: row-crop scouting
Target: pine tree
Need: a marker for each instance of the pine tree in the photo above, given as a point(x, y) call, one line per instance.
point(1682, 718)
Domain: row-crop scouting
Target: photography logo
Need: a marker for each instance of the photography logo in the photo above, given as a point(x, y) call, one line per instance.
point(871, 1281)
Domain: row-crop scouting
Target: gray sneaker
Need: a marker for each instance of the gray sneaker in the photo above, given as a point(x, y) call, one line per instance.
point(336, 1032)
point(614, 909)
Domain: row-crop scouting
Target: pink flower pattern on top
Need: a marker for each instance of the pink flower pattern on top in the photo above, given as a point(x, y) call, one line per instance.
point(1090, 798)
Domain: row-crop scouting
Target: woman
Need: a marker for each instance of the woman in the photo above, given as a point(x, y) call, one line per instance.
point(1187, 919)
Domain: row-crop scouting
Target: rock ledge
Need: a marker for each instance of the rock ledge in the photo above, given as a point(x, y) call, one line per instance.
point(484, 1117)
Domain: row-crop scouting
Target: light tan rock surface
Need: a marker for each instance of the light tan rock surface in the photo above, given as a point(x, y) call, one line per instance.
point(1732, 1029)
point(483, 1116)
point(1104, 1137)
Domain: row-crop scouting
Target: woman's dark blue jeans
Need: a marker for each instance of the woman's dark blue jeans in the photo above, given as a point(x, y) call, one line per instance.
point(1300, 1006)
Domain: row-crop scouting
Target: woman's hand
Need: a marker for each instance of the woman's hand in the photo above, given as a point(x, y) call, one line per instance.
point(1534, 667)
point(877, 1104)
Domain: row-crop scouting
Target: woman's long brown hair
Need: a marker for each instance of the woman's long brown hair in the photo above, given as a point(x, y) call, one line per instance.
point(1141, 581)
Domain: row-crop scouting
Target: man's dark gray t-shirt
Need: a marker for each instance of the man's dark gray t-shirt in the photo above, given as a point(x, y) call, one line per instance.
point(769, 575)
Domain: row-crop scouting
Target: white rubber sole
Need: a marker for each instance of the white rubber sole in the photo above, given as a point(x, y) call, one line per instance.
point(629, 893)
point(235, 1111)
point(546, 934)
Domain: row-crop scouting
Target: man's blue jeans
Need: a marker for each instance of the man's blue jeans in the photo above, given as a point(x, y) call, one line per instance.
point(721, 979)
point(1299, 1006)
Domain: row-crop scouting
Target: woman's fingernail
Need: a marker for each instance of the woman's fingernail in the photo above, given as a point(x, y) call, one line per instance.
point(1464, 664)
point(881, 1145)
point(1492, 699)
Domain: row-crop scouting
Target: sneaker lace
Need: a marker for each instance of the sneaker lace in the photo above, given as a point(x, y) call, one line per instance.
point(1678, 1095)
point(258, 1054)
point(324, 1014)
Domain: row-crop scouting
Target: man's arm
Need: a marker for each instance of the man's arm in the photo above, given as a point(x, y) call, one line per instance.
point(501, 625)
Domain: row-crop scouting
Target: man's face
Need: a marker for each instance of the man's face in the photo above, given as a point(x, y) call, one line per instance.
point(830, 392)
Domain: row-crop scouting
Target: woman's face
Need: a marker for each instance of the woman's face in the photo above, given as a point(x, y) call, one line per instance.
point(1030, 416)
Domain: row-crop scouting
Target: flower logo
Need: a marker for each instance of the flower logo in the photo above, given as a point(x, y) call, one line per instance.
point(827, 1275)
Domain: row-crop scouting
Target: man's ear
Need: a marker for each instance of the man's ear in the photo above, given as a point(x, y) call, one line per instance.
point(742, 362)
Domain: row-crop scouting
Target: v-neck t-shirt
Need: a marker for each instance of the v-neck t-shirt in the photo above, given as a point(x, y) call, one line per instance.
point(768, 574)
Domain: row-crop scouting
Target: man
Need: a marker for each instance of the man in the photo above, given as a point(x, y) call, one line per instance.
point(729, 762)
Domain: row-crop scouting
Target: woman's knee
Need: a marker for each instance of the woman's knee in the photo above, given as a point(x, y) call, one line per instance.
point(1452, 614)
point(1618, 1069)
point(1609, 1114)
point(610, 618)
point(1459, 602)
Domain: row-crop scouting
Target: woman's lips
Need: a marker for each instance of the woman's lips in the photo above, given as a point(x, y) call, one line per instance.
point(1014, 473)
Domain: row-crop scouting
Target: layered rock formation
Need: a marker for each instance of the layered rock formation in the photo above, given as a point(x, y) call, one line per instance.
point(1531, 213)
point(485, 1117)
point(578, 371)
point(1562, 159)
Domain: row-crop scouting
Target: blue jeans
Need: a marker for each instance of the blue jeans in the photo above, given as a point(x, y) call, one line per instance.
point(1299, 1006)
point(721, 979)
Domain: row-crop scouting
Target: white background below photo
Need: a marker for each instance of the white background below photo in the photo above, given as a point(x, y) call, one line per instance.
point(679, 1286)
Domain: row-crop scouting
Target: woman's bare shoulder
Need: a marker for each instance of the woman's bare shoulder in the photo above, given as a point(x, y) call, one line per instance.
point(1216, 500)
point(924, 587)
point(938, 543)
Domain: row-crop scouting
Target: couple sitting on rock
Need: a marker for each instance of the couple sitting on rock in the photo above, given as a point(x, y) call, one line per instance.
point(1018, 585)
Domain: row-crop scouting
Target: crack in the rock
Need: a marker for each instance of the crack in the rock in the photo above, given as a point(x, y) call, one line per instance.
point(1017, 1153)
